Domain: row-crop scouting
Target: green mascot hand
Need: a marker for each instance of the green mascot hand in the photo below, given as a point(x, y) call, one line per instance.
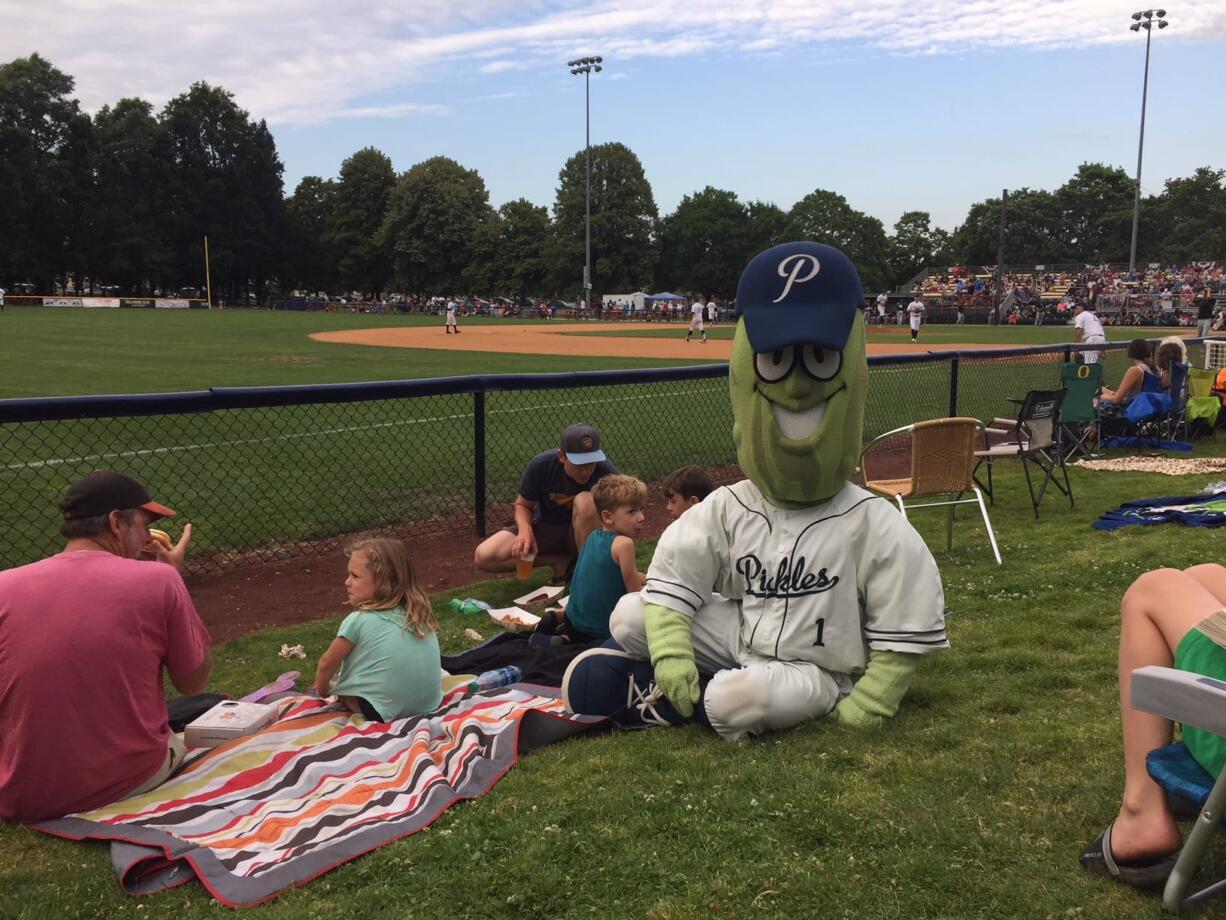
point(879, 691)
point(672, 656)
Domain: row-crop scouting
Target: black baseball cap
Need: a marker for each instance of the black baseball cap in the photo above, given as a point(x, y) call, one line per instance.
point(581, 444)
point(104, 491)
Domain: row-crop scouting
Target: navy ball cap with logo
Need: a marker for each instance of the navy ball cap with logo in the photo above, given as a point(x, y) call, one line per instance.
point(799, 293)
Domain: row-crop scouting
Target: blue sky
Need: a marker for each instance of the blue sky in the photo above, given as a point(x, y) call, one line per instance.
point(922, 104)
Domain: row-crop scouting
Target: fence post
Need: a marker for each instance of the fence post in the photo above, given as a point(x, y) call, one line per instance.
point(953, 388)
point(479, 461)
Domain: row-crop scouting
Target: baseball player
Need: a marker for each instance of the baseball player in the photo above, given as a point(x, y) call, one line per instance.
point(883, 300)
point(696, 321)
point(915, 315)
point(793, 593)
point(451, 322)
point(1087, 328)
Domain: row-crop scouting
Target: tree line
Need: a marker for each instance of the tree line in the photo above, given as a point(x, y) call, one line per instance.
point(126, 196)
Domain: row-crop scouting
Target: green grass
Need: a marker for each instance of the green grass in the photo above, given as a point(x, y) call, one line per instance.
point(974, 803)
point(1005, 336)
point(69, 352)
point(251, 479)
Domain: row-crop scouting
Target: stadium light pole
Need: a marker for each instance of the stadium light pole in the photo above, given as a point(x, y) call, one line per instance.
point(1145, 19)
point(585, 66)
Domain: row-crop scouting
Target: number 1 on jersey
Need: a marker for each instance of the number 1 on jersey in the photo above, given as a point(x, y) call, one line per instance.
point(821, 627)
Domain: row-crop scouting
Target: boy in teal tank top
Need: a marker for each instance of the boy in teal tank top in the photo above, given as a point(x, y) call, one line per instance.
point(606, 567)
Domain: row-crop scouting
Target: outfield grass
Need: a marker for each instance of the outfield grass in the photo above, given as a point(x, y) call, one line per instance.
point(1005, 336)
point(974, 803)
point(261, 478)
point(69, 352)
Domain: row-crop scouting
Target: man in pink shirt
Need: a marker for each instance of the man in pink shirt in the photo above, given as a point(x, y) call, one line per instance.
point(84, 638)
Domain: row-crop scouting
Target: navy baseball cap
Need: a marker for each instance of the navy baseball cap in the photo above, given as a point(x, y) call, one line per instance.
point(799, 293)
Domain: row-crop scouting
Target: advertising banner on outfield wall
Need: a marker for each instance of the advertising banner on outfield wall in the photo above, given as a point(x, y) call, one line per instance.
point(137, 302)
point(108, 302)
point(198, 304)
point(167, 304)
point(62, 302)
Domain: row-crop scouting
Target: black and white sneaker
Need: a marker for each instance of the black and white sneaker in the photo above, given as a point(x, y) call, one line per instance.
point(608, 681)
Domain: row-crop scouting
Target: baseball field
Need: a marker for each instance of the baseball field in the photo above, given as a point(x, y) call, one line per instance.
point(1003, 764)
point(319, 470)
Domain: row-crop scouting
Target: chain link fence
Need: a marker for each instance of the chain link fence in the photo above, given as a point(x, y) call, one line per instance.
point(276, 472)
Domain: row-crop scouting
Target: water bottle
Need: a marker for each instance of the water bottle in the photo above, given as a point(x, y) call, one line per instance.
point(499, 677)
point(468, 605)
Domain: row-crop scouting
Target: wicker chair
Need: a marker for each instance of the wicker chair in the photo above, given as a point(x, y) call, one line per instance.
point(942, 462)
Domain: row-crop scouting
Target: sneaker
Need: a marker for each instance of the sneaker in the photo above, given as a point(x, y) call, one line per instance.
point(608, 681)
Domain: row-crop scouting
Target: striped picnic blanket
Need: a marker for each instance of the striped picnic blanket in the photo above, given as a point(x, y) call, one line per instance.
point(315, 789)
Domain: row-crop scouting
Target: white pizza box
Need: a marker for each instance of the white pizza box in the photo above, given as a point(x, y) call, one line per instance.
point(513, 619)
point(227, 720)
point(539, 595)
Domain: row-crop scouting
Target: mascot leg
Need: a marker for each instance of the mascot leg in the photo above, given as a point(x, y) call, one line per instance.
point(716, 635)
point(768, 695)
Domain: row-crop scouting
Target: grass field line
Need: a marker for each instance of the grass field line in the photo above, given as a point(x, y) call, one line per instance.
point(241, 442)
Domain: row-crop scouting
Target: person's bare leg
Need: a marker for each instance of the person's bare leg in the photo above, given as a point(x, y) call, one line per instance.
point(1156, 613)
point(1213, 577)
point(584, 518)
point(493, 554)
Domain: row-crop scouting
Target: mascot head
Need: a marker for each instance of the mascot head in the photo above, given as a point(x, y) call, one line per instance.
point(798, 374)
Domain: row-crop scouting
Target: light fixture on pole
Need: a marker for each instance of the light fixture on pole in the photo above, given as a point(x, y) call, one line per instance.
point(585, 66)
point(1146, 19)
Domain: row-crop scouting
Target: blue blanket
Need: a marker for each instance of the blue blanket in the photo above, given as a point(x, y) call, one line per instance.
point(1203, 510)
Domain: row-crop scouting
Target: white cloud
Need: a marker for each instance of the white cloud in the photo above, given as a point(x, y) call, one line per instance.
point(307, 61)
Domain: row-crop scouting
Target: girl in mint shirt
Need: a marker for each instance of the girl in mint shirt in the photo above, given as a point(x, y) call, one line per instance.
point(386, 649)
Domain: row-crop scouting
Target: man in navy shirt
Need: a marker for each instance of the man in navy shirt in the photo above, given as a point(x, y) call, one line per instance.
point(554, 512)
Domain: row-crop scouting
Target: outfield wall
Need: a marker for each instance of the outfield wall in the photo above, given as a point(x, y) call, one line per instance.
point(109, 303)
point(271, 472)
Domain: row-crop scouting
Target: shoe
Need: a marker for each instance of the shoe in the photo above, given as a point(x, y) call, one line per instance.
point(1146, 874)
point(607, 681)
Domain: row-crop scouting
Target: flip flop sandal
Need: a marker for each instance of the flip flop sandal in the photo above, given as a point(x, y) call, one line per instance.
point(1146, 874)
point(285, 682)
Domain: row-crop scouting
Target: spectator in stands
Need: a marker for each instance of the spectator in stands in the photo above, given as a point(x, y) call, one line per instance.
point(554, 512)
point(85, 636)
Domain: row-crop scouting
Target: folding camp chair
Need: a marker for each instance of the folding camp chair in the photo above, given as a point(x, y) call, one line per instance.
point(1203, 407)
point(942, 460)
point(1031, 438)
point(1176, 419)
point(1079, 424)
point(1192, 700)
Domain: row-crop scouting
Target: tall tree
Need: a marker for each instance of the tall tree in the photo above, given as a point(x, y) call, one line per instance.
point(624, 218)
point(127, 203)
point(44, 140)
point(509, 251)
point(916, 245)
point(225, 182)
point(705, 243)
point(1093, 215)
point(1188, 221)
point(309, 213)
point(1031, 233)
point(432, 218)
point(360, 205)
point(826, 217)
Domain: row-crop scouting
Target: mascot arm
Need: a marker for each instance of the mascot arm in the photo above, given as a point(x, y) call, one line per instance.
point(879, 691)
point(672, 655)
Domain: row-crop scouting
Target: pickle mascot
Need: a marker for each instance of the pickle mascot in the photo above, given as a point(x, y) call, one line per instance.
point(793, 594)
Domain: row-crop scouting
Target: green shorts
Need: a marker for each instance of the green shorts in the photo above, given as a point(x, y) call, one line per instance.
point(1198, 654)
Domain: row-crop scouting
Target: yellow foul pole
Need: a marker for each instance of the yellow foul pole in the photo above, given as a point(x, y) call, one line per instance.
point(208, 281)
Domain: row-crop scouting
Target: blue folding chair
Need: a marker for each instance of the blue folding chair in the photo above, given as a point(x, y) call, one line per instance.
point(1190, 699)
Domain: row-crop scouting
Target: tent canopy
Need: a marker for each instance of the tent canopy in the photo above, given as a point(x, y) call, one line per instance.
point(665, 295)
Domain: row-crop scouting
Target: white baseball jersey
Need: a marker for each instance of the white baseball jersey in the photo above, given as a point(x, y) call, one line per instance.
point(882, 300)
point(824, 584)
point(697, 310)
point(1091, 328)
